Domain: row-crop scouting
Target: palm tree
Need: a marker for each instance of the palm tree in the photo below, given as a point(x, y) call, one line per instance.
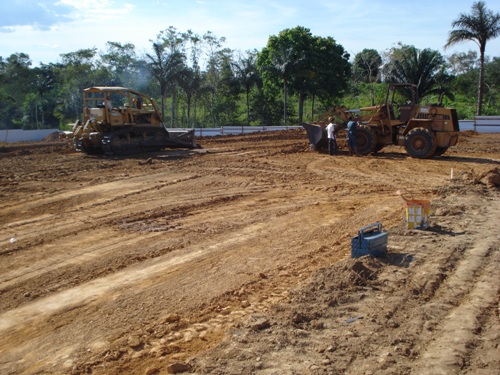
point(246, 72)
point(190, 82)
point(420, 67)
point(165, 69)
point(480, 26)
point(43, 82)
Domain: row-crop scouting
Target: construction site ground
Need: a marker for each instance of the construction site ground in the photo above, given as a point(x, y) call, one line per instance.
point(235, 258)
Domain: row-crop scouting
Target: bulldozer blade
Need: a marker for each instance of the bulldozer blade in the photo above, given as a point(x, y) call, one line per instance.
point(182, 138)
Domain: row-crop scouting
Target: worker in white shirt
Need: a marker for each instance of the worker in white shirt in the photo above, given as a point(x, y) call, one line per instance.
point(332, 137)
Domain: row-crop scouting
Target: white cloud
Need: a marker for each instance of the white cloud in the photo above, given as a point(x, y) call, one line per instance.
point(38, 14)
point(44, 29)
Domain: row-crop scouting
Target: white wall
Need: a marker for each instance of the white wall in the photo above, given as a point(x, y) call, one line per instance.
point(19, 135)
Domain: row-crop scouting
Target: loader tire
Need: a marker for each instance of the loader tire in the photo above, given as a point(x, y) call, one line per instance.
point(366, 139)
point(420, 143)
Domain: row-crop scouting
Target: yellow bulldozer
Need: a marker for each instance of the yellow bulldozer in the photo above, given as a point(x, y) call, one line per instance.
point(424, 131)
point(120, 121)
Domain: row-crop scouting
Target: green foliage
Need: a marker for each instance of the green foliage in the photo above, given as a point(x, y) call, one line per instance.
point(15, 76)
point(480, 26)
point(296, 77)
point(367, 66)
point(365, 95)
point(304, 65)
point(420, 67)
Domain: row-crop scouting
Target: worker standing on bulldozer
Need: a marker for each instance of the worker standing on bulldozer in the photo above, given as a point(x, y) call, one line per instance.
point(107, 103)
point(351, 137)
point(332, 141)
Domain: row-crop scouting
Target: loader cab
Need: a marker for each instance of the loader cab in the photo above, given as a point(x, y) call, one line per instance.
point(401, 102)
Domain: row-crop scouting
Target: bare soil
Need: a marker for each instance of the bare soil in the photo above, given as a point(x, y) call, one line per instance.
point(236, 259)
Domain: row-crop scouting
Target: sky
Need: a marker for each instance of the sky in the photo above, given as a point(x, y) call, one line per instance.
point(45, 29)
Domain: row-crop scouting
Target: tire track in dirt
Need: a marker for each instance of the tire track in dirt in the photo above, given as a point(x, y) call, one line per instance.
point(428, 317)
point(469, 294)
point(253, 222)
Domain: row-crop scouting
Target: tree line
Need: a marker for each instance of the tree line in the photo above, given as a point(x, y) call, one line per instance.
point(297, 76)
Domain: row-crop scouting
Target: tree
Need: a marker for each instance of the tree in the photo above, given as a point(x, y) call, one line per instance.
point(367, 65)
point(194, 41)
point(165, 67)
point(15, 79)
point(280, 59)
point(190, 82)
point(78, 71)
point(492, 87)
point(304, 64)
point(326, 73)
point(247, 74)
point(480, 26)
point(420, 67)
point(43, 83)
point(462, 63)
point(173, 45)
point(217, 59)
point(192, 78)
point(227, 96)
point(122, 62)
point(366, 68)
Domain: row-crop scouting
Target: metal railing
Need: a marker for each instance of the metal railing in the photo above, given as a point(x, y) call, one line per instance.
point(488, 121)
point(481, 124)
point(236, 130)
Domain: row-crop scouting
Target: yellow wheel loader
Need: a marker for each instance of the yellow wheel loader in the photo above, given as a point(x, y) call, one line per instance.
point(424, 131)
point(120, 121)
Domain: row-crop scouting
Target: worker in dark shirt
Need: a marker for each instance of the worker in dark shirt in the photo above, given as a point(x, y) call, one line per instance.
point(351, 137)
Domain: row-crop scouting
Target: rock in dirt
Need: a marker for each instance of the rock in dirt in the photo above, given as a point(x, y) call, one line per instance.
point(177, 368)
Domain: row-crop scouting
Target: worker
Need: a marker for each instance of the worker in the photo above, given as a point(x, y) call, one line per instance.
point(351, 137)
point(138, 102)
point(332, 141)
point(108, 104)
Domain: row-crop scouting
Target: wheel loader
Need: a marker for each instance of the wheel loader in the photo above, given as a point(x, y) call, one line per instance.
point(121, 121)
point(424, 131)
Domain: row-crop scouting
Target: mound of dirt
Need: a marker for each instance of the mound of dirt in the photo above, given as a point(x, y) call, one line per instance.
point(490, 178)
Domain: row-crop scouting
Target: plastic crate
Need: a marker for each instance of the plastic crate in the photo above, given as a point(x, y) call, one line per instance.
point(417, 213)
point(371, 240)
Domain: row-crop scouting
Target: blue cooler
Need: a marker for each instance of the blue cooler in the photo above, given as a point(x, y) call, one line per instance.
point(371, 240)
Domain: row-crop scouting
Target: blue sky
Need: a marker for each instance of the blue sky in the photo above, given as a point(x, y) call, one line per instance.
point(46, 28)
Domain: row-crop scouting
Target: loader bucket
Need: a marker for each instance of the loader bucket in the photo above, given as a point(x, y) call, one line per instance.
point(315, 133)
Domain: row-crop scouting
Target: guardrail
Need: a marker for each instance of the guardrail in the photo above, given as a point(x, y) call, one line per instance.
point(236, 130)
point(480, 121)
point(479, 124)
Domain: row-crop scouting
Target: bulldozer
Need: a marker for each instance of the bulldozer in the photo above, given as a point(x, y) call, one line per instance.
point(121, 121)
point(424, 131)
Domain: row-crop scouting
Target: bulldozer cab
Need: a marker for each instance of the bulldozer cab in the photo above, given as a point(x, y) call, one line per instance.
point(116, 106)
point(96, 114)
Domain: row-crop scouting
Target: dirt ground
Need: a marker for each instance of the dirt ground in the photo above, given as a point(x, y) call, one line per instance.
point(236, 259)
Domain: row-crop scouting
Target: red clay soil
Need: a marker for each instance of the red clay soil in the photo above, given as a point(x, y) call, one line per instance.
point(236, 259)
